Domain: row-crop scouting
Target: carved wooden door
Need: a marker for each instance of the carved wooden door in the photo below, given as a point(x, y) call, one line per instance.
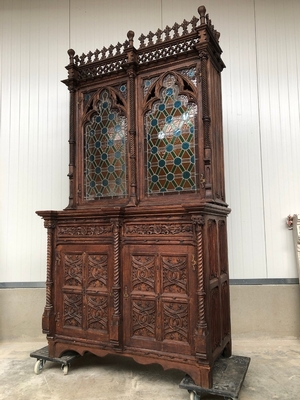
point(157, 297)
point(83, 287)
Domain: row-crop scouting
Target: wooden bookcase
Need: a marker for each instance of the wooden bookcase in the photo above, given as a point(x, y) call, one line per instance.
point(137, 262)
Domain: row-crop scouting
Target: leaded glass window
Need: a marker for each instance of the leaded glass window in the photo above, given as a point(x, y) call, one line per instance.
point(170, 141)
point(105, 152)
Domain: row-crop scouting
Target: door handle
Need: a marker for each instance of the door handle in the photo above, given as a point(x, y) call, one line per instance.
point(125, 292)
point(194, 263)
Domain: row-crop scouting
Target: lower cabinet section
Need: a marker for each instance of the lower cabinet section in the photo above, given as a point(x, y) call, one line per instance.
point(154, 291)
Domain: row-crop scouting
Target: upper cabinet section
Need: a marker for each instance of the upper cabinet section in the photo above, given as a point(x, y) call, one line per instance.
point(146, 122)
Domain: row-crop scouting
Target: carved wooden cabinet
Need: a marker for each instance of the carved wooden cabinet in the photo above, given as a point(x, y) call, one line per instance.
point(137, 262)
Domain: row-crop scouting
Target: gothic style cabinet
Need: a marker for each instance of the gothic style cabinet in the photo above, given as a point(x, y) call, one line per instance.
point(137, 262)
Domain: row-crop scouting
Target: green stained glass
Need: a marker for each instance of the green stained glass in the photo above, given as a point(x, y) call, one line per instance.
point(170, 132)
point(105, 152)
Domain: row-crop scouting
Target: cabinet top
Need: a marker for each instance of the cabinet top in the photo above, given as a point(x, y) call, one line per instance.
point(172, 42)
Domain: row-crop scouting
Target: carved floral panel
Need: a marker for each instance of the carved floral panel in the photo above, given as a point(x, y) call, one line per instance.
point(97, 270)
point(73, 264)
point(97, 313)
point(143, 278)
point(73, 310)
point(175, 320)
point(174, 274)
point(143, 318)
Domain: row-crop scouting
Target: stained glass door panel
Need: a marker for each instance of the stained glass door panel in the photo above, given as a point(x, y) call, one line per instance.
point(105, 152)
point(170, 129)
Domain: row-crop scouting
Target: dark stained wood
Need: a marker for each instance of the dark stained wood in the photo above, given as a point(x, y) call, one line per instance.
point(137, 263)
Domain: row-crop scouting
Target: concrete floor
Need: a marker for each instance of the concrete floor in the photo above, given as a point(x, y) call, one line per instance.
point(274, 373)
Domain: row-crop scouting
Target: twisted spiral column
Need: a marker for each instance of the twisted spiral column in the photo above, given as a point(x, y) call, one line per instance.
point(49, 225)
point(198, 221)
point(116, 282)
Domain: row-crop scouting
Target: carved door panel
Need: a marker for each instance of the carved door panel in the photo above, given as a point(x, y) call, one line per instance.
point(83, 290)
point(158, 307)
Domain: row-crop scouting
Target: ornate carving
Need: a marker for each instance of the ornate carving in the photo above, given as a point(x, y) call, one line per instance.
point(97, 270)
point(73, 269)
point(176, 321)
point(97, 313)
point(168, 33)
point(84, 230)
point(174, 274)
point(143, 273)
point(72, 310)
point(143, 318)
point(158, 229)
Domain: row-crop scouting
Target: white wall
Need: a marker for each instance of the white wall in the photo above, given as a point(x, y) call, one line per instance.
point(260, 108)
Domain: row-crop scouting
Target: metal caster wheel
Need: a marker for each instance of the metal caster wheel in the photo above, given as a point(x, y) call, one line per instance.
point(65, 369)
point(38, 366)
point(194, 395)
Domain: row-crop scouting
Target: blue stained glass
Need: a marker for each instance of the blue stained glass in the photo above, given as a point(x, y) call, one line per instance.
point(177, 132)
point(161, 107)
point(92, 132)
point(169, 92)
point(185, 145)
point(117, 128)
point(170, 177)
point(118, 181)
point(169, 147)
point(191, 129)
point(98, 170)
point(105, 182)
point(117, 154)
point(110, 168)
point(104, 131)
point(111, 117)
point(154, 178)
point(154, 122)
point(161, 163)
point(105, 104)
point(97, 145)
point(110, 142)
point(92, 184)
point(186, 175)
point(177, 161)
point(98, 119)
point(123, 88)
point(177, 104)
point(193, 159)
point(103, 156)
point(169, 119)
point(92, 158)
point(154, 150)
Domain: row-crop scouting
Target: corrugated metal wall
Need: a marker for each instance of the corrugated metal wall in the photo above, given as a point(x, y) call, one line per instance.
point(260, 107)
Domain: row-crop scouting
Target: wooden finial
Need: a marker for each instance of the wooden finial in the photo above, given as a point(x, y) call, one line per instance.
point(71, 53)
point(202, 12)
point(130, 35)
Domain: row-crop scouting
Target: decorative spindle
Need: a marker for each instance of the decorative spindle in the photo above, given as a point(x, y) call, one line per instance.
point(130, 35)
point(71, 53)
point(202, 12)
